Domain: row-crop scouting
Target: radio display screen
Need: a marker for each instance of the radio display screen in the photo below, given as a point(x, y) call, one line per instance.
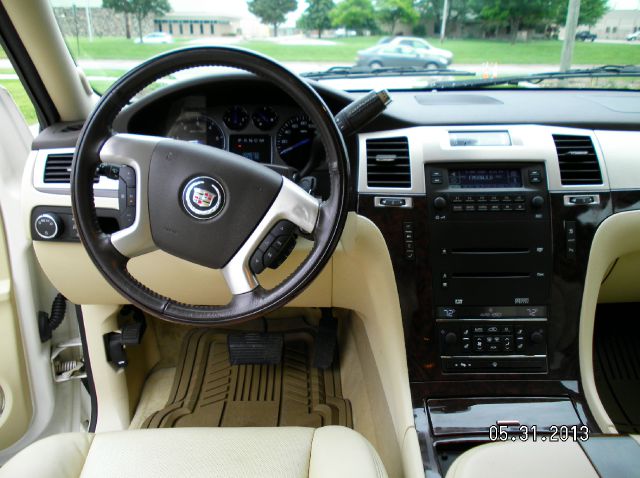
point(469, 178)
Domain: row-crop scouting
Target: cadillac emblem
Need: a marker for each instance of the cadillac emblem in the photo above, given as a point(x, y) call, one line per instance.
point(203, 197)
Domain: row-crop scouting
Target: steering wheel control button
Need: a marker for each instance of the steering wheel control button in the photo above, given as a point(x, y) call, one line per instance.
point(128, 175)
point(203, 197)
point(48, 226)
point(275, 248)
point(126, 195)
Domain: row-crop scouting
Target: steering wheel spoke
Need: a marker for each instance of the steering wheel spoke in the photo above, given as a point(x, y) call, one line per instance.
point(134, 151)
point(291, 204)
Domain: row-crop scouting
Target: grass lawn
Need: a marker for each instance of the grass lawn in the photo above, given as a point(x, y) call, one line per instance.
point(345, 49)
point(465, 51)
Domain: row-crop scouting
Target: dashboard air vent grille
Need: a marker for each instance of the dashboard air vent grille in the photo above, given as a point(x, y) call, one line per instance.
point(57, 169)
point(578, 160)
point(388, 163)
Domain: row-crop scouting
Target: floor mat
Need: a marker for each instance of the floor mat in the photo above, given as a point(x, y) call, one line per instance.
point(617, 363)
point(207, 391)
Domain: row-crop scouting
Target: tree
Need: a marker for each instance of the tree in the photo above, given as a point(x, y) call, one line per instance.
point(272, 12)
point(140, 8)
point(430, 11)
point(391, 12)
point(317, 16)
point(590, 11)
point(355, 15)
point(514, 14)
point(120, 6)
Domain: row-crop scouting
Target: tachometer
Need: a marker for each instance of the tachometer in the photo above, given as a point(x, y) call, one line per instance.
point(294, 140)
point(196, 127)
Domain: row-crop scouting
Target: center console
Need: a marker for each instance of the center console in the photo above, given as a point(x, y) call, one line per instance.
point(489, 230)
point(490, 254)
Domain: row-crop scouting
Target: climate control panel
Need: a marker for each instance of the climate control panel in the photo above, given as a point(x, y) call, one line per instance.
point(492, 339)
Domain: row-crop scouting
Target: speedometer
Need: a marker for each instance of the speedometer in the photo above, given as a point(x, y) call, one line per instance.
point(294, 140)
point(196, 127)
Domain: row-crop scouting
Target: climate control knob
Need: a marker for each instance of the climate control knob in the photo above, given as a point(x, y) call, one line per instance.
point(537, 201)
point(440, 203)
point(451, 338)
point(48, 226)
point(537, 337)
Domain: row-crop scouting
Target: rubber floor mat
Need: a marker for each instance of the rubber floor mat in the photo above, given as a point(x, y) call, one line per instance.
point(617, 363)
point(209, 392)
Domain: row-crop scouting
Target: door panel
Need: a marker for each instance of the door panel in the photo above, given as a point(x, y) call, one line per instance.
point(15, 396)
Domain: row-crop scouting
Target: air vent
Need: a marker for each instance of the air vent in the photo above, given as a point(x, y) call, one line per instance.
point(388, 163)
point(57, 169)
point(578, 160)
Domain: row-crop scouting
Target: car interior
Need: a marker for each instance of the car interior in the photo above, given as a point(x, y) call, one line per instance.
point(252, 273)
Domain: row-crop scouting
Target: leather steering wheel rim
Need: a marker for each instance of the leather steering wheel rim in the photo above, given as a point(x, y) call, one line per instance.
point(97, 134)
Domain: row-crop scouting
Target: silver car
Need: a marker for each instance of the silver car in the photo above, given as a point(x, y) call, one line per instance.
point(396, 55)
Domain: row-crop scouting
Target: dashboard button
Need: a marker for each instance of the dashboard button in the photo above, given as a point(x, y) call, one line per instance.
point(440, 203)
point(537, 202)
point(48, 226)
point(393, 202)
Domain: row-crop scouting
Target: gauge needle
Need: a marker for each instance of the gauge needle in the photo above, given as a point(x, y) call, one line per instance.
point(297, 145)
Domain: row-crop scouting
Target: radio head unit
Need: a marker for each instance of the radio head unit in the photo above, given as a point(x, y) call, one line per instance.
point(494, 191)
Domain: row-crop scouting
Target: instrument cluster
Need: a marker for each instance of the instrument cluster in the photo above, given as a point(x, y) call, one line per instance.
point(263, 133)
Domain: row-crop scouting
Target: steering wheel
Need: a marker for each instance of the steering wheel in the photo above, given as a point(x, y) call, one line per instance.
point(203, 204)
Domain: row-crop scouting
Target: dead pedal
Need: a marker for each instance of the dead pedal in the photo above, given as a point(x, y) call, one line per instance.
point(255, 348)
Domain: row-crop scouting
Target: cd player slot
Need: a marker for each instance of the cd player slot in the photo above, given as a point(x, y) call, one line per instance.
point(491, 275)
point(490, 251)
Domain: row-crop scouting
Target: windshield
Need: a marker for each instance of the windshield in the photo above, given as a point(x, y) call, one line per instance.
point(389, 43)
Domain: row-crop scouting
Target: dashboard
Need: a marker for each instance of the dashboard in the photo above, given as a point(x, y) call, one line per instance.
point(505, 214)
point(261, 124)
point(490, 204)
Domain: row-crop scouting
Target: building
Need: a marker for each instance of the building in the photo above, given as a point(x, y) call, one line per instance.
point(187, 18)
point(617, 24)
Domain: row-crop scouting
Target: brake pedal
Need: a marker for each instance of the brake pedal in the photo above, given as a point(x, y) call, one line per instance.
point(255, 348)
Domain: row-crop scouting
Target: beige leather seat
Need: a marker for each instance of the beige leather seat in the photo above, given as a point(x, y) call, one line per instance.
point(600, 455)
point(201, 452)
point(523, 460)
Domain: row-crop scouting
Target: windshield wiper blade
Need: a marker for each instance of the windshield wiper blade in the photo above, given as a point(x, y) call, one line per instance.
point(336, 72)
point(605, 71)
